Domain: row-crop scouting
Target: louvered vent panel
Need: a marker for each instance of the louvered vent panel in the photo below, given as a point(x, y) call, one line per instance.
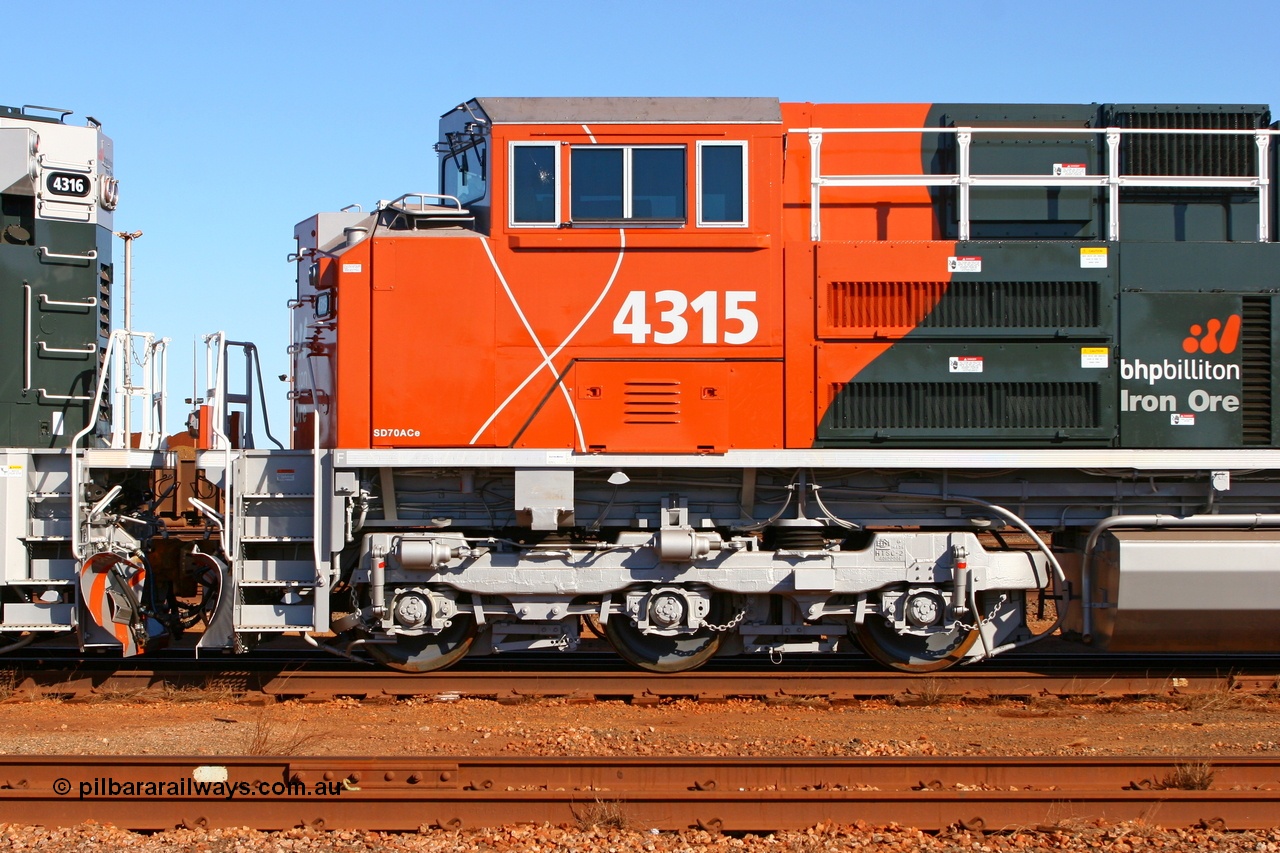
point(651, 402)
point(1174, 154)
point(965, 406)
point(880, 304)
point(868, 306)
point(104, 303)
point(1255, 340)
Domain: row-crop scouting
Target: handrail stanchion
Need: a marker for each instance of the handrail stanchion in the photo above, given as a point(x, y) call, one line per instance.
point(1263, 141)
point(815, 182)
point(963, 138)
point(1113, 184)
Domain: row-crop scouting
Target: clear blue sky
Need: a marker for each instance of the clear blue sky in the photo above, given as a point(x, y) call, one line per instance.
point(232, 121)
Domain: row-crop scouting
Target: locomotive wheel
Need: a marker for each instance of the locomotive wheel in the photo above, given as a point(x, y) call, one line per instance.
point(660, 654)
point(911, 653)
point(427, 652)
point(665, 654)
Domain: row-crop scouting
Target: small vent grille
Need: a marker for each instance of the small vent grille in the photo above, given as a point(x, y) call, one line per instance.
point(104, 310)
point(1174, 154)
point(870, 306)
point(965, 406)
point(1256, 373)
point(651, 402)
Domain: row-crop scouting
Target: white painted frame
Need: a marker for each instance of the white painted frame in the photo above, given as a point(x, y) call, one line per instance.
point(627, 190)
point(746, 175)
point(560, 183)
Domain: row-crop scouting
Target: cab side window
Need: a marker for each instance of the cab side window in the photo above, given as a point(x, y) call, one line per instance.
point(535, 199)
point(641, 184)
point(722, 184)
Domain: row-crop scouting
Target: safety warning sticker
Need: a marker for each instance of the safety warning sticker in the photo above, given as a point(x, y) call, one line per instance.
point(1070, 170)
point(1093, 257)
point(966, 364)
point(1094, 357)
point(965, 263)
point(1182, 420)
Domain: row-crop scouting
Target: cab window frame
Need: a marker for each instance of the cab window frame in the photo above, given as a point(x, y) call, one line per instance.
point(627, 190)
point(701, 190)
point(478, 148)
point(513, 188)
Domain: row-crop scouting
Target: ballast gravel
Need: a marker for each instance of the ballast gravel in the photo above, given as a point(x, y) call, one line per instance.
point(214, 724)
point(1119, 838)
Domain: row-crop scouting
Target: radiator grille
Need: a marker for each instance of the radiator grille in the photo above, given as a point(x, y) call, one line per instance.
point(1172, 154)
point(1256, 371)
point(965, 405)
point(651, 402)
point(871, 306)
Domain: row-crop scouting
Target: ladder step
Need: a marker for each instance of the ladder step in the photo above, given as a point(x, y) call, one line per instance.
point(262, 496)
point(275, 617)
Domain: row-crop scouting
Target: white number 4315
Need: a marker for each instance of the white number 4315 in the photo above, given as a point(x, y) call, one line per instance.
point(632, 317)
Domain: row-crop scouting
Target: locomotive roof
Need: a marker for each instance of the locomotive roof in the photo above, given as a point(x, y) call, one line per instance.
point(631, 110)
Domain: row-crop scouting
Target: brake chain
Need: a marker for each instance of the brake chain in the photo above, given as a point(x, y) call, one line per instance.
point(728, 626)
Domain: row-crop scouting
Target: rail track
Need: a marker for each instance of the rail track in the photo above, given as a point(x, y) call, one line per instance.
point(742, 794)
point(320, 680)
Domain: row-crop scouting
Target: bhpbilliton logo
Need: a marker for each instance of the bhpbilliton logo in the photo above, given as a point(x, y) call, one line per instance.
point(1214, 336)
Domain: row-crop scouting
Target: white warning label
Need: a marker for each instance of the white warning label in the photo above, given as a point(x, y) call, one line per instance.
point(1093, 257)
point(1182, 420)
point(1094, 357)
point(964, 263)
point(352, 267)
point(965, 363)
point(1070, 170)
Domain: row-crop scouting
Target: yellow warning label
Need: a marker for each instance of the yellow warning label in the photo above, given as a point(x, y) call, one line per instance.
point(1093, 257)
point(1094, 357)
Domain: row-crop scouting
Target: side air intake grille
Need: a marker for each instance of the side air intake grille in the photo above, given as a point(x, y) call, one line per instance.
point(868, 308)
point(1002, 406)
point(651, 402)
point(1256, 373)
point(1175, 154)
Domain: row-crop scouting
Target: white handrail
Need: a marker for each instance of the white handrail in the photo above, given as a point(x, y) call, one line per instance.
point(77, 546)
point(964, 180)
point(216, 366)
point(122, 389)
point(151, 389)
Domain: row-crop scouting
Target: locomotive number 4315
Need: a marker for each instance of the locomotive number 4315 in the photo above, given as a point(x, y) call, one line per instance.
point(724, 318)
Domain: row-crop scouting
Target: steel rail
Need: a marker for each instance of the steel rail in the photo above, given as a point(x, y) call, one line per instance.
point(636, 687)
point(738, 794)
